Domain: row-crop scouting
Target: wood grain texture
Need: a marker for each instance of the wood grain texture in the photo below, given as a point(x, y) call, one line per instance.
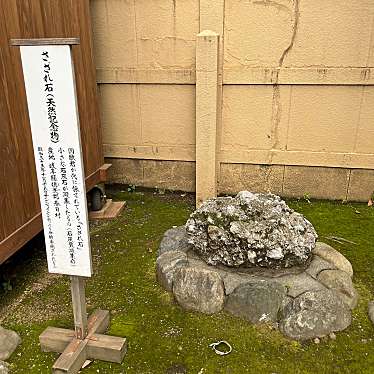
point(95, 346)
point(31, 19)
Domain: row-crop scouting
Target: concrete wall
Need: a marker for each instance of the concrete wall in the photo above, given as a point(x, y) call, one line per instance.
point(296, 95)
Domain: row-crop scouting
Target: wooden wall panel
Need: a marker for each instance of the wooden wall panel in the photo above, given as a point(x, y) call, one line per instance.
point(24, 19)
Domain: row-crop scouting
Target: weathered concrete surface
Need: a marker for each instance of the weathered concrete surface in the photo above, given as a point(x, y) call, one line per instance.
point(317, 182)
point(145, 56)
point(255, 178)
point(180, 175)
point(173, 175)
point(199, 289)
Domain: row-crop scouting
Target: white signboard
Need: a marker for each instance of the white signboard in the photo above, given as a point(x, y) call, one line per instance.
point(51, 98)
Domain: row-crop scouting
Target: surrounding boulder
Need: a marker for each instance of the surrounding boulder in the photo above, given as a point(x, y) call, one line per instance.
point(317, 265)
point(314, 314)
point(174, 239)
point(232, 281)
point(341, 283)
point(299, 283)
point(199, 289)
point(166, 265)
point(371, 311)
point(9, 341)
point(257, 301)
point(334, 257)
point(250, 230)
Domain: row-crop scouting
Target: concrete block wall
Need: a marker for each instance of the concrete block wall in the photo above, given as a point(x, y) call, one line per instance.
point(295, 95)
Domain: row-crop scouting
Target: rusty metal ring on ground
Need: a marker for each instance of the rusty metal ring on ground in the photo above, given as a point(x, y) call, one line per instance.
point(217, 351)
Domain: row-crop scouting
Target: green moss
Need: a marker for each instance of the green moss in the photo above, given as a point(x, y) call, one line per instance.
point(160, 334)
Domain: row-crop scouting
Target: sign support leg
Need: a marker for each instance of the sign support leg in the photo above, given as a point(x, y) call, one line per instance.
point(79, 306)
point(87, 341)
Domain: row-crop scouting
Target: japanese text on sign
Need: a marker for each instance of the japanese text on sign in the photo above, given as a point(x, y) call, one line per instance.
point(50, 91)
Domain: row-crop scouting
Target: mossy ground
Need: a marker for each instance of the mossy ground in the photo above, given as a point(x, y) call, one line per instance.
point(160, 334)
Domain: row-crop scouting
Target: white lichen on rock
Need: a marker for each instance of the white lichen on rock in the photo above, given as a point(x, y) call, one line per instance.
point(251, 230)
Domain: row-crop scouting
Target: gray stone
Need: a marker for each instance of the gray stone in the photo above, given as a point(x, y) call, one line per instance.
point(250, 230)
point(334, 257)
point(286, 300)
point(232, 281)
point(371, 311)
point(298, 284)
point(166, 265)
point(199, 289)
point(4, 367)
point(341, 283)
point(9, 341)
point(317, 265)
point(314, 314)
point(257, 301)
point(174, 239)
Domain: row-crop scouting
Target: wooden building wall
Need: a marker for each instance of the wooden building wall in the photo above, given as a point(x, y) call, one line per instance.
point(20, 217)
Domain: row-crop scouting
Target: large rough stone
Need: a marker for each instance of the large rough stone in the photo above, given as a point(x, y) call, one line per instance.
point(257, 301)
point(300, 283)
point(250, 230)
point(9, 341)
point(341, 283)
point(371, 311)
point(174, 239)
point(166, 265)
point(199, 289)
point(314, 314)
point(4, 367)
point(334, 257)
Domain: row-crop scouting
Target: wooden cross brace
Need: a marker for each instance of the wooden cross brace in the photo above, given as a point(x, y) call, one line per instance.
point(76, 351)
point(86, 342)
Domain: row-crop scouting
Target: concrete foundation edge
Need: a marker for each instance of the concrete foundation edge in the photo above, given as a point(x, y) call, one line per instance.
point(286, 181)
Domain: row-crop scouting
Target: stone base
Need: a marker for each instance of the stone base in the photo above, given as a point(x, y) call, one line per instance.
point(110, 210)
point(304, 302)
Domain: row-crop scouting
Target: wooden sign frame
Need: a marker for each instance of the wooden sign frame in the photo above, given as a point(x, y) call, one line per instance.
point(87, 340)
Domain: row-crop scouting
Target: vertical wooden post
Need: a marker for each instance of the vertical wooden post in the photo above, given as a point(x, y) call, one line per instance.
point(212, 18)
point(206, 115)
point(79, 306)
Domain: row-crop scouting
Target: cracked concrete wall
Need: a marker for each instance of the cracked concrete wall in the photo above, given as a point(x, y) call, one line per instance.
point(297, 98)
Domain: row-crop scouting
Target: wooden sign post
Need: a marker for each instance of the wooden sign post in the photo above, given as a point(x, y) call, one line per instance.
point(51, 98)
